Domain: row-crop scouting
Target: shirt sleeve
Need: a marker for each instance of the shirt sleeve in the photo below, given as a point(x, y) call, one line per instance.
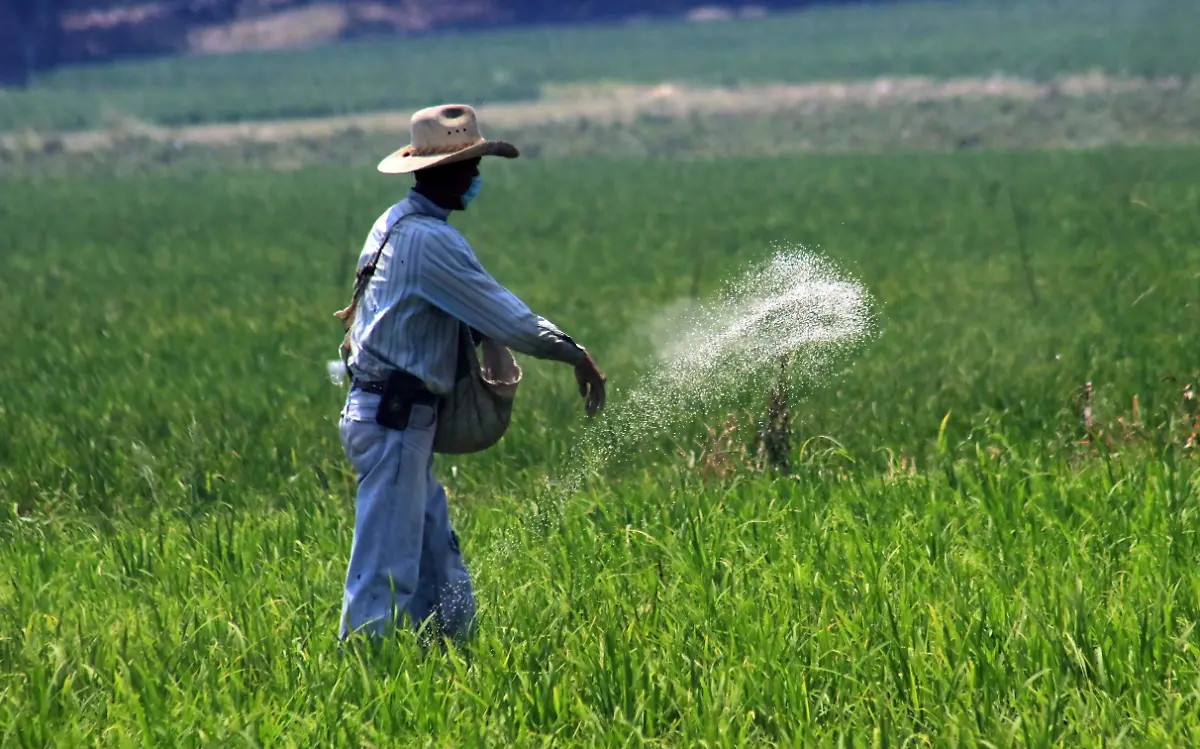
point(451, 278)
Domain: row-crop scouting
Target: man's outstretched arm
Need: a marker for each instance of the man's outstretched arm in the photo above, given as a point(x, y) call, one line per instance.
point(452, 279)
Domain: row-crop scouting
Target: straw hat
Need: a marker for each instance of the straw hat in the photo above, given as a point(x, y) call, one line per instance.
point(441, 135)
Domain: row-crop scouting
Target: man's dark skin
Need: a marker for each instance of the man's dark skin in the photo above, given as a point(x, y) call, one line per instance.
point(445, 185)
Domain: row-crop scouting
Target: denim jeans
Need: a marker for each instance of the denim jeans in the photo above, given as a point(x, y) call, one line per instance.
point(405, 557)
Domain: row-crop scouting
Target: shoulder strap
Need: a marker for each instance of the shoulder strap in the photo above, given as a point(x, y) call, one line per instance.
point(361, 277)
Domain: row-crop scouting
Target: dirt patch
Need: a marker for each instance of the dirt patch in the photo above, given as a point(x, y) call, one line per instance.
point(607, 103)
point(324, 23)
point(179, 27)
point(289, 29)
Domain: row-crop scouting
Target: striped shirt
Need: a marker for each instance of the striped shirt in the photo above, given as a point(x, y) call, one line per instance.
point(426, 281)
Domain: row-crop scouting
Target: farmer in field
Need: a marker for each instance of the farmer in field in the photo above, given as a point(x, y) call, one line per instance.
point(418, 283)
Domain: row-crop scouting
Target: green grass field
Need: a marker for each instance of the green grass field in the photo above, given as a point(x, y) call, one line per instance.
point(958, 560)
point(974, 38)
point(1144, 118)
point(987, 535)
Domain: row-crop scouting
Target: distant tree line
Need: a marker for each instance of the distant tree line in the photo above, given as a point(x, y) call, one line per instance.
point(37, 35)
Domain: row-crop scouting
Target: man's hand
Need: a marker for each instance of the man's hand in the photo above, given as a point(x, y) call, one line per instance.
point(591, 384)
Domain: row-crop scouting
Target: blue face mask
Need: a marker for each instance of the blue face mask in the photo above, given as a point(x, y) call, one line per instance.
point(472, 191)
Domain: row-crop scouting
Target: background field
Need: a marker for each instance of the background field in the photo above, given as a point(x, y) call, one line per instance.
point(1025, 38)
point(180, 512)
point(986, 537)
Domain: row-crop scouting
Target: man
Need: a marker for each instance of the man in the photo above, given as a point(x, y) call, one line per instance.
point(405, 557)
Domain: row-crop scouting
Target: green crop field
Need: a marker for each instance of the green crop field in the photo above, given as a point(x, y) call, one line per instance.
point(1029, 38)
point(971, 548)
point(986, 532)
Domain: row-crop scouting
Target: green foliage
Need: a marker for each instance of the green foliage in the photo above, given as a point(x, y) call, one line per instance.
point(948, 564)
point(1026, 38)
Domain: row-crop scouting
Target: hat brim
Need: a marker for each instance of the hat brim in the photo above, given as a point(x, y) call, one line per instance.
point(405, 162)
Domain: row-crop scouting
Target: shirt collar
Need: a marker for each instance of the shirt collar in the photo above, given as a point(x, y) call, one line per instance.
point(422, 204)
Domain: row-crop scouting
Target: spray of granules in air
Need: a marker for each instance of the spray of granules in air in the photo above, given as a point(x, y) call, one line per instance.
point(708, 355)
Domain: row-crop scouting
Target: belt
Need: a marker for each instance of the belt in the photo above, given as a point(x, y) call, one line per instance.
point(417, 392)
point(375, 388)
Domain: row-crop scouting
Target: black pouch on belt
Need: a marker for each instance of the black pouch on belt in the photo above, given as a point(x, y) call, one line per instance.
point(400, 391)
